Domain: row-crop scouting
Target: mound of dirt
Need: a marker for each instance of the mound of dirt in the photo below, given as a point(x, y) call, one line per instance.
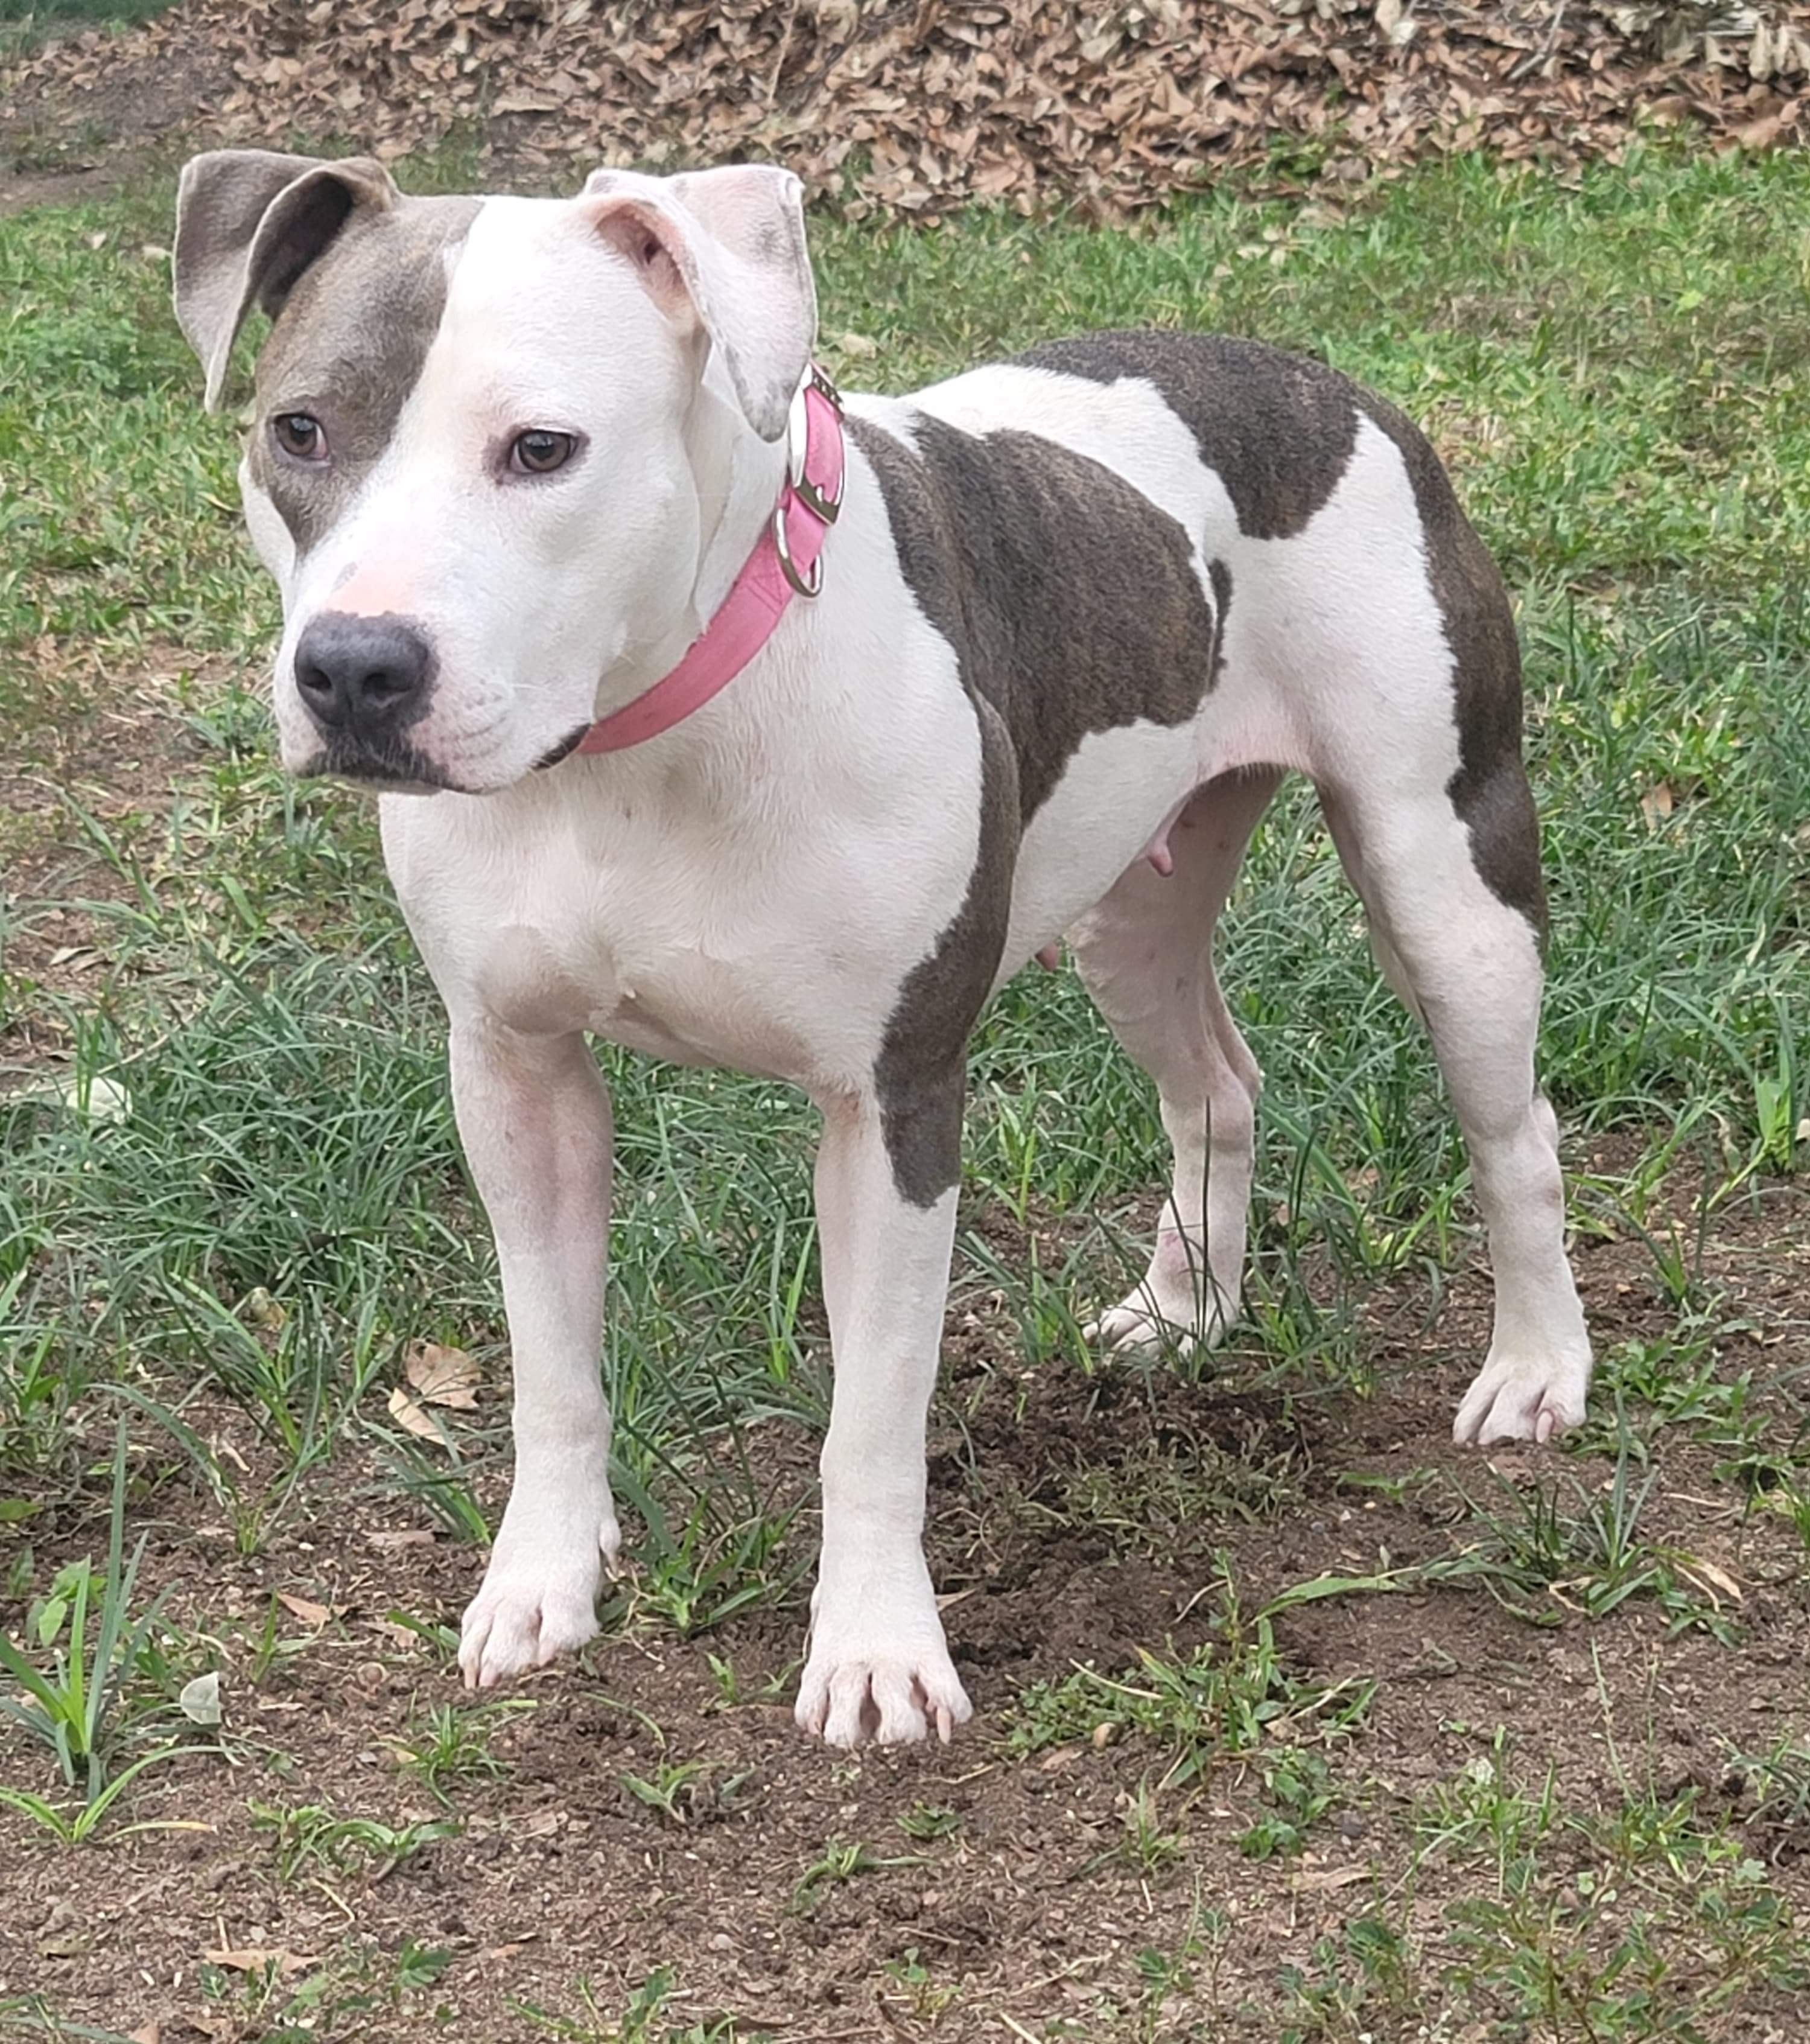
point(917, 105)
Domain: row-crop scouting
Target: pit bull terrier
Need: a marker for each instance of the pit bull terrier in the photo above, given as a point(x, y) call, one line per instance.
point(744, 726)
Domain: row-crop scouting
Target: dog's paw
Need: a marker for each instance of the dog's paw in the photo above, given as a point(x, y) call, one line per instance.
point(1522, 1397)
point(893, 1695)
point(539, 1600)
point(1160, 1316)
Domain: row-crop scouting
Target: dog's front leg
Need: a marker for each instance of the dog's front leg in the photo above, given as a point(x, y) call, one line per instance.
point(878, 1665)
point(534, 1119)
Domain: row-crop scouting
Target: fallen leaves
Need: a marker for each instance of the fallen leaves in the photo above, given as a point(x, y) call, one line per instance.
point(307, 1610)
point(1656, 804)
point(275, 1961)
point(915, 109)
point(444, 1377)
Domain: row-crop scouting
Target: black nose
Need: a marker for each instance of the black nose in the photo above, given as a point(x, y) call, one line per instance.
point(366, 676)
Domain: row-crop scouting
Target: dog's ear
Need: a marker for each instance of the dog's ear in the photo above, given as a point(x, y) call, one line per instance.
point(248, 222)
point(726, 247)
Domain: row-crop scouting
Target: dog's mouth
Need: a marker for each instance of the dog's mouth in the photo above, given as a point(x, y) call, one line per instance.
point(397, 770)
point(564, 750)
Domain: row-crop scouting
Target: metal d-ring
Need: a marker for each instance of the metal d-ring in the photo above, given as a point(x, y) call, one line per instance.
point(782, 546)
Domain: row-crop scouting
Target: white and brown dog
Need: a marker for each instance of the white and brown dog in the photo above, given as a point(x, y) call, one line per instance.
point(540, 479)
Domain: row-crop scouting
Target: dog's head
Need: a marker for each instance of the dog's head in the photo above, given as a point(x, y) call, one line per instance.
point(489, 437)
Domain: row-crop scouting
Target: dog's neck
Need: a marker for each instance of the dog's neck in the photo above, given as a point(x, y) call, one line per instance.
point(739, 477)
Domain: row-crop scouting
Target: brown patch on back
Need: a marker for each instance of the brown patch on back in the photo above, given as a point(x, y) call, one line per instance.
point(348, 347)
point(1278, 429)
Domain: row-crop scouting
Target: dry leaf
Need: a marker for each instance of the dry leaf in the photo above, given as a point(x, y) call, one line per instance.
point(925, 108)
point(146, 2032)
point(415, 1418)
point(1312, 1878)
point(1763, 133)
point(443, 1376)
point(258, 1958)
point(1707, 1575)
point(199, 1700)
point(1656, 804)
point(304, 1608)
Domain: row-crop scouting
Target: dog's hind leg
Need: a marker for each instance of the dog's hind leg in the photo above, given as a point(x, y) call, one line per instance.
point(1457, 911)
point(1145, 954)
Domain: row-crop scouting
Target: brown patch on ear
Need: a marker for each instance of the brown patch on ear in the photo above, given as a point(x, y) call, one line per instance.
point(301, 222)
point(249, 224)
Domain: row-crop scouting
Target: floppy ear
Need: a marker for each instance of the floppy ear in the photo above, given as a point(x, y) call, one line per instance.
point(727, 248)
point(248, 222)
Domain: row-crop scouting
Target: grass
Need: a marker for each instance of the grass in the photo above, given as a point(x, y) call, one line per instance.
point(231, 1189)
point(25, 23)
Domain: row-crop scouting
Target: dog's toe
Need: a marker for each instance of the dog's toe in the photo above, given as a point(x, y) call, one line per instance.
point(881, 1698)
point(1522, 1398)
point(1141, 1322)
point(514, 1629)
point(530, 1610)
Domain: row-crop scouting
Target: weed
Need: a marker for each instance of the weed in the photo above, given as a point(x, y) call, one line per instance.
point(309, 1838)
point(452, 1746)
point(1482, 1812)
point(842, 1861)
point(1299, 1784)
point(1584, 1550)
point(1146, 1846)
point(1223, 1701)
point(646, 2019)
point(688, 1792)
point(78, 1708)
point(1779, 1780)
point(925, 1821)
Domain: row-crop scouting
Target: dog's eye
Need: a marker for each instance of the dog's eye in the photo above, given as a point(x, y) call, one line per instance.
point(300, 435)
point(539, 451)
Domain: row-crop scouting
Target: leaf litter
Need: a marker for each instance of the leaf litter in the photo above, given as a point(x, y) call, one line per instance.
point(915, 106)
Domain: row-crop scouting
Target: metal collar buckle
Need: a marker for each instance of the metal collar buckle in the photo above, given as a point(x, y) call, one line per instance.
point(789, 567)
point(825, 509)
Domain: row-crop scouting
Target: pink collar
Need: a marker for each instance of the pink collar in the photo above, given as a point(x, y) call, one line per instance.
point(785, 562)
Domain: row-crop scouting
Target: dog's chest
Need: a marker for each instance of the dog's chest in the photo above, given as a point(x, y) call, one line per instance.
point(680, 940)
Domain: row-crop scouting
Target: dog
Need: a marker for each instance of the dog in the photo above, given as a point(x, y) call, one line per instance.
point(744, 725)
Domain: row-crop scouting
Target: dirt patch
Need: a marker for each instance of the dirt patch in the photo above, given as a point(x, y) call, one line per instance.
point(1078, 1518)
